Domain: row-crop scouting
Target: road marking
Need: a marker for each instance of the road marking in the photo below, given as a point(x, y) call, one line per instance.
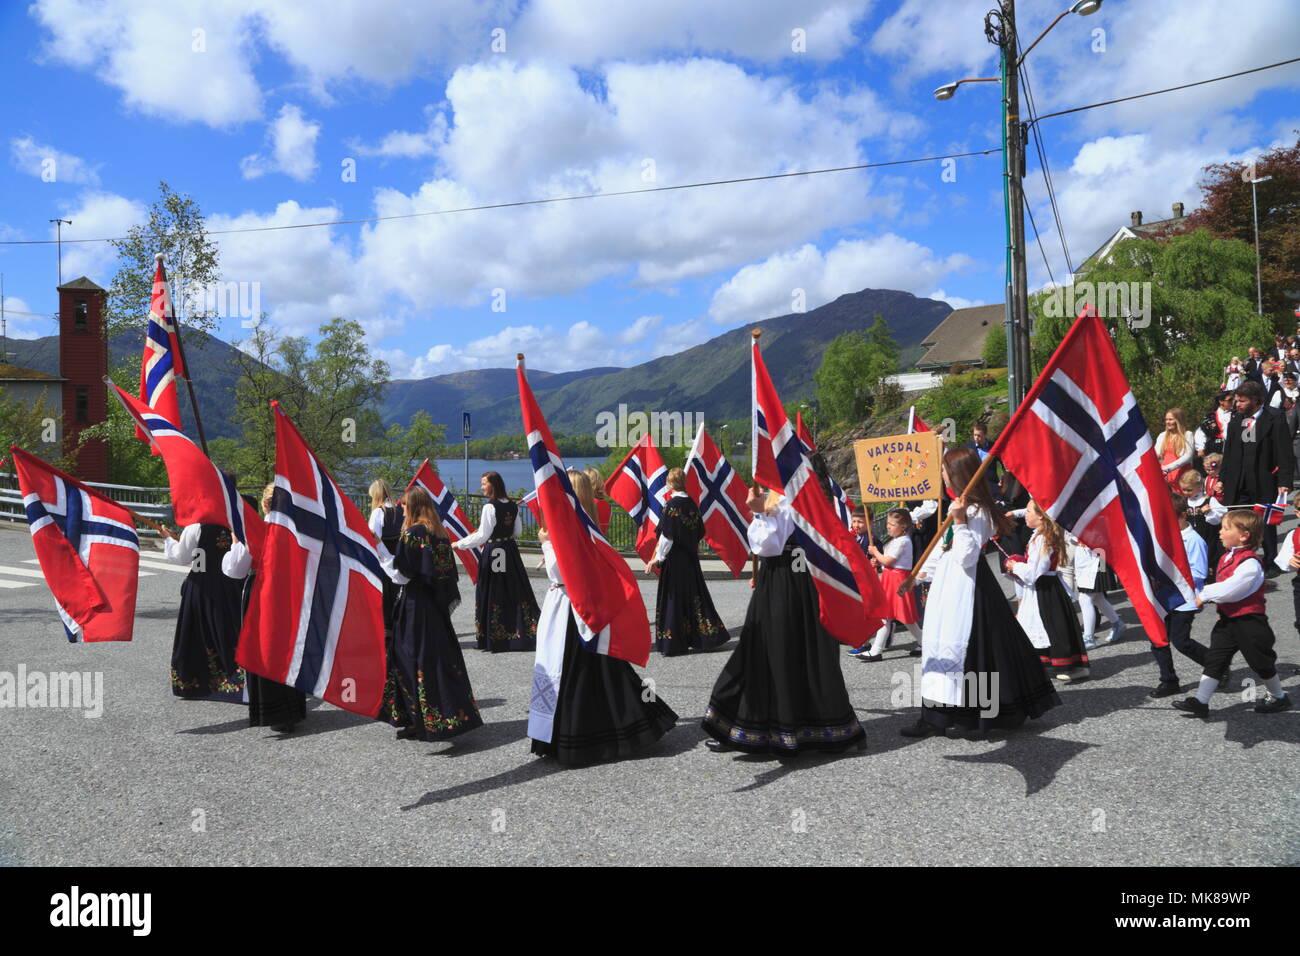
point(157, 566)
point(16, 584)
point(22, 572)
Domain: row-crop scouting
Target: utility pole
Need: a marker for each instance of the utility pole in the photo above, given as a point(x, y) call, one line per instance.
point(1015, 160)
point(58, 227)
point(1254, 205)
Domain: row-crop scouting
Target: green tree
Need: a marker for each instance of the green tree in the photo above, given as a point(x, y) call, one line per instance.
point(851, 379)
point(995, 347)
point(1199, 298)
point(28, 425)
point(176, 229)
point(405, 448)
point(881, 338)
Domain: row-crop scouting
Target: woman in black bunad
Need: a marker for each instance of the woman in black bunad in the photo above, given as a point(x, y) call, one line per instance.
point(585, 706)
point(270, 703)
point(386, 519)
point(505, 610)
point(782, 690)
point(685, 618)
point(979, 670)
point(428, 694)
point(1210, 433)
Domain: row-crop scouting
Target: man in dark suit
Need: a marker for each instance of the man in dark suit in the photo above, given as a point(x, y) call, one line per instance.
point(1253, 367)
point(1258, 459)
point(981, 445)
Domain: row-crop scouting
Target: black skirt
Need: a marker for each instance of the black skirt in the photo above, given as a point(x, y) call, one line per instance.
point(270, 703)
point(207, 627)
point(1002, 665)
point(685, 617)
point(505, 609)
point(602, 712)
point(782, 690)
point(1102, 582)
point(1056, 611)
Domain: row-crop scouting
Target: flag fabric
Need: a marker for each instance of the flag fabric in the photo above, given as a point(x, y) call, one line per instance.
point(532, 504)
point(452, 514)
point(640, 485)
point(315, 620)
point(88, 550)
point(1273, 513)
point(915, 423)
point(843, 503)
point(849, 592)
point(1079, 445)
point(161, 364)
point(605, 596)
point(201, 493)
point(721, 497)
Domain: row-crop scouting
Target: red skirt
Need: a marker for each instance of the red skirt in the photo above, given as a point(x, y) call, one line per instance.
point(902, 606)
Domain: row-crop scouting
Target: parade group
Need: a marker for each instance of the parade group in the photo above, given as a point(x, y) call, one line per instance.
point(782, 690)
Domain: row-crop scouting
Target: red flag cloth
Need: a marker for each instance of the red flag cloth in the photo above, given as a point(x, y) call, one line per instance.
point(1079, 445)
point(639, 485)
point(721, 496)
point(201, 494)
point(535, 506)
point(316, 621)
point(915, 423)
point(599, 583)
point(162, 356)
point(843, 502)
point(452, 514)
point(1273, 513)
point(849, 592)
point(87, 548)
point(604, 511)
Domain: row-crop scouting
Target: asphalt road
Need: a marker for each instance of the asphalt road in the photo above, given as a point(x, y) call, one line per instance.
point(1108, 778)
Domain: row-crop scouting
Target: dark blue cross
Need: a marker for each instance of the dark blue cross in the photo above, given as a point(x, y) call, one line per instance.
point(335, 545)
point(1104, 474)
point(714, 493)
point(540, 456)
point(158, 335)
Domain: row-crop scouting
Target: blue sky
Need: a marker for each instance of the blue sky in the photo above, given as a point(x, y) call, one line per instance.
point(257, 108)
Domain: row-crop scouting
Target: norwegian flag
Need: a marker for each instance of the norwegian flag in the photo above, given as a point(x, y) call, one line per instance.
point(1273, 513)
point(843, 503)
point(915, 423)
point(201, 494)
point(162, 356)
point(1080, 447)
point(315, 621)
point(606, 599)
point(852, 600)
point(639, 485)
point(532, 504)
point(453, 516)
point(721, 496)
point(87, 548)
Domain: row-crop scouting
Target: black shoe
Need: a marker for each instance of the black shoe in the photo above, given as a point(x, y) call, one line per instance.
point(1273, 571)
point(1191, 705)
point(965, 733)
point(871, 658)
point(1225, 680)
point(1166, 688)
point(717, 746)
point(914, 652)
point(406, 733)
point(284, 728)
point(1271, 704)
point(921, 729)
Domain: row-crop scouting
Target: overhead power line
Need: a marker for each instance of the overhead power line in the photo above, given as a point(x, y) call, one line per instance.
point(541, 202)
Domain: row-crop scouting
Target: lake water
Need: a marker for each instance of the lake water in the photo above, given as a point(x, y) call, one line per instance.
point(517, 473)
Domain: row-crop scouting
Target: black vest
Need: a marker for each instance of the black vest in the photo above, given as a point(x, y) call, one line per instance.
point(506, 512)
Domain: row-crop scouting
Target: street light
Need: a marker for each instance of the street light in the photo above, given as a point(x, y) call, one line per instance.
point(1254, 205)
point(1000, 29)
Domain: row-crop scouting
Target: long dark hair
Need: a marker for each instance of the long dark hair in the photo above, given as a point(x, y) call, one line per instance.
point(823, 475)
point(961, 465)
point(497, 485)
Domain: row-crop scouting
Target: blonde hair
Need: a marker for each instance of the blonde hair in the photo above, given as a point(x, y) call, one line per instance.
point(420, 510)
point(582, 488)
point(597, 486)
point(1051, 532)
point(267, 494)
point(381, 493)
point(1248, 522)
point(1179, 438)
point(1213, 456)
point(676, 479)
point(1191, 477)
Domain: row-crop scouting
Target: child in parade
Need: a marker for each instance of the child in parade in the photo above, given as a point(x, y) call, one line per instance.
point(1178, 622)
point(1046, 611)
point(1093, 578)
point(895, 561)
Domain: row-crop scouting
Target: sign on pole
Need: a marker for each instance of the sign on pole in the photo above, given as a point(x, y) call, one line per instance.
point(899, 468)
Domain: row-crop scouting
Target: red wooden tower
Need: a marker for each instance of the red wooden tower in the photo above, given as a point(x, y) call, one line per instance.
point(83, 363)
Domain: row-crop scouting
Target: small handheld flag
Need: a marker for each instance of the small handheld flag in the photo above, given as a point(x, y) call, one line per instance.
point(452, 514)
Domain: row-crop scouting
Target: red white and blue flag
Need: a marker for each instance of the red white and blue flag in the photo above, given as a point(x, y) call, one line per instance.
point(849, 592)
point(162, 356)
point(1273, 514)
point(640, 485)
point(453, 516)
point(721, 496)
point(201, 493)
point(843, 503)
point(915, 423)
point(316, 621)
point(606, 599)
point(1079, 445)
point(532, 504)
point(87, 548)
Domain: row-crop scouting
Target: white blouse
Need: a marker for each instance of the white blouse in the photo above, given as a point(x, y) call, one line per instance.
point(487, 522)
point(769, 532)
point(181, 550)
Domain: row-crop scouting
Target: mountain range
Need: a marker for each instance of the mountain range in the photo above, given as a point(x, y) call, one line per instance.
point(711, 378)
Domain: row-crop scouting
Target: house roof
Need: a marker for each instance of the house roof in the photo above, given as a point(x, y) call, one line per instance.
point(960, 336)
point(82, 283)
point(1144, 231)
point(16, 373)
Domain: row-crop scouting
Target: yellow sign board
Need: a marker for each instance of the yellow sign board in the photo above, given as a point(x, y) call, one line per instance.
point(899, 468)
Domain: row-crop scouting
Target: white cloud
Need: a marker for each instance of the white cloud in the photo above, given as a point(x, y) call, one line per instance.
point(291, 138)
point(956, 301)
point(769, 288)
point(49, 164)
point(404, 144)
point(97, 215)
point(930, 35)
point(21, 323)
point(639, 329)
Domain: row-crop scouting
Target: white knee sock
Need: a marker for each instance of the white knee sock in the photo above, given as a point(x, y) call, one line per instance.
point(915, 630)
point(878, 642)
point(1205, 692)
point(1274, 686)
point(1089, 613)
point(1107, 608)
